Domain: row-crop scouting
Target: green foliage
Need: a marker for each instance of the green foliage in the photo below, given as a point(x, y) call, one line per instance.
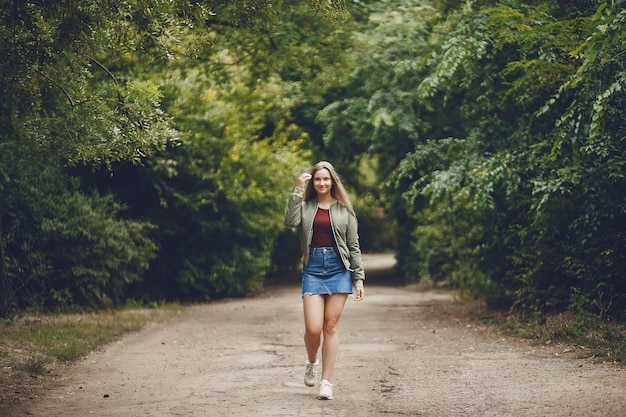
point(226, 189)
point(499, 138)
point(495, 129)
point(65, 248)
point(95, 86)
point(113, 253)
point(217, 200)
point(541, 167)
point(379, 115)
point(60, 99)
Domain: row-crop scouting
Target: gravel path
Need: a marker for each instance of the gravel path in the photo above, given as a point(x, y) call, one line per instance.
point(403, 353)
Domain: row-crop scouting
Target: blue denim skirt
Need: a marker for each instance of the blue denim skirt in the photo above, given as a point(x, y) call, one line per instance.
point(325, 273)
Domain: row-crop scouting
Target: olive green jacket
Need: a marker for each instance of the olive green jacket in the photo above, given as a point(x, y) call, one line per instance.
point(300, 213)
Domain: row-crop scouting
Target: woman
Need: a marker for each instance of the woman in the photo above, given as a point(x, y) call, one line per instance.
point(331, 264)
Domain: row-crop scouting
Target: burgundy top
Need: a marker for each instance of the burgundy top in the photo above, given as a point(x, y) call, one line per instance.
point(322, 230)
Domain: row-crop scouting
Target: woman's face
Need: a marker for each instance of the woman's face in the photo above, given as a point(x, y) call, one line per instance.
point(322, 182)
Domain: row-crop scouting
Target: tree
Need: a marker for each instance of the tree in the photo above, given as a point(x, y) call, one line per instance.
point(217, 199)
point(73, 90)
point(540, 101)
point(6, 288)
point(61, 105)
point(498, 135)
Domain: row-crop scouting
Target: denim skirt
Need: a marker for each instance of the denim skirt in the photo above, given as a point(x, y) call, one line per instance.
point(325, 273)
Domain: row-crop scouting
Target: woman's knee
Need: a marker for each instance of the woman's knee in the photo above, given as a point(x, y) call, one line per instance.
point(330, 326)
point(313, 331)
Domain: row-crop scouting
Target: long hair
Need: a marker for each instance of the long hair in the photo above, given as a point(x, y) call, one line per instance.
point(337, 190)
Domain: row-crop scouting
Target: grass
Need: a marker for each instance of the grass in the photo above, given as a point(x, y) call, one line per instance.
point(584, 334)
point(32, 366)
point(31, 344)
point(602, 340)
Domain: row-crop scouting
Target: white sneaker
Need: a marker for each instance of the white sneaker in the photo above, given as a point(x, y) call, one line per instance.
point(326, 390)
point(310, 373)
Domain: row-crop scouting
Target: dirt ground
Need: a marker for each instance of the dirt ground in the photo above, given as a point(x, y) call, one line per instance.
point(402, 353)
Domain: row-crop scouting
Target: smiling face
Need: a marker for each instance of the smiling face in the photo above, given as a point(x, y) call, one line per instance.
point(322, 182)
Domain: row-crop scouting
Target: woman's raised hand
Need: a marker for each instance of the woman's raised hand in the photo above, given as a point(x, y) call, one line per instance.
point(304, 177)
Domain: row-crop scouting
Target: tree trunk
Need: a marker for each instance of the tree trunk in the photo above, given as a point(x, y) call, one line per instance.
point(6, 289)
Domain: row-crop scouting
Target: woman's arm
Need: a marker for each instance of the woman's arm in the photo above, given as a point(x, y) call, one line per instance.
point(356, 261)
point(293, 212)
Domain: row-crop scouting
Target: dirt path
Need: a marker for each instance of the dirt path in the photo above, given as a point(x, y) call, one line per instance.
point(401, 354)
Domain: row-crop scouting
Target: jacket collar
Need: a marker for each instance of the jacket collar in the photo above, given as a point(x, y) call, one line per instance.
point(332, 201)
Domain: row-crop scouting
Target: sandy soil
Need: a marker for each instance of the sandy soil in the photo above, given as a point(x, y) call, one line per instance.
point(403, 353)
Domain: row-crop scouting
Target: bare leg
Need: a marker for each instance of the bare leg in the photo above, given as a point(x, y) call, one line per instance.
point(313, 324)
point(332, 314)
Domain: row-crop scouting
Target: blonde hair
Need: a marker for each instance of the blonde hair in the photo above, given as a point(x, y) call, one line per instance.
point(337, 191)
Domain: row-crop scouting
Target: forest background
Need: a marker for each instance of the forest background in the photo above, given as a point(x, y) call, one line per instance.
point(147, 147)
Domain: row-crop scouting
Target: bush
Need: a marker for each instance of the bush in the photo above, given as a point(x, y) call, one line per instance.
point(68, 250)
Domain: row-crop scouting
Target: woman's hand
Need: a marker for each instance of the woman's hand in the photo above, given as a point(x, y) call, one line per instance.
point(359, 293)
point(303, 179)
